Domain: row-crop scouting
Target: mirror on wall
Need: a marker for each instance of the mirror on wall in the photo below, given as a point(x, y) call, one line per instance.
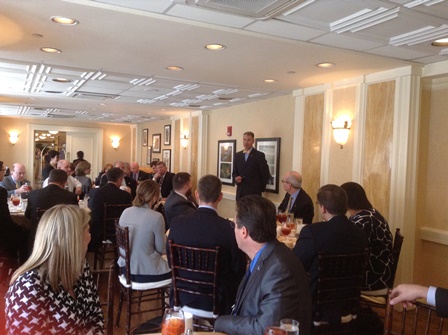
point(45, 140)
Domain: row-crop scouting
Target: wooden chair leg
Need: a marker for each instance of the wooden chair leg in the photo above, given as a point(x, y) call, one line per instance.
point(120, 305)
point(128, 311)
point(388, 318)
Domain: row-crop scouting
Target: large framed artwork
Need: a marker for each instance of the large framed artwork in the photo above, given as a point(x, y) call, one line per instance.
point(167, 135)
point(271, 149)
point(166, 158)
point(149, 156)
point(226, 156)
point(145, 137)
point(156, 139)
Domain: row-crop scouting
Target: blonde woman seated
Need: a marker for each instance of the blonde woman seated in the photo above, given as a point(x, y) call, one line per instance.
point(53, 291)
point(146, 236)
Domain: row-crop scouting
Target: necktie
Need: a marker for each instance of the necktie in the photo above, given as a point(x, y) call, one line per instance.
point(161, 181)
point(17, 185)
point(135, 176)
point(288, 206)
point(246, 155)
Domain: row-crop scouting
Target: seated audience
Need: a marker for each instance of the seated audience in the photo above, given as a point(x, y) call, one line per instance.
point(204, 228)
point(296, 200)
point(15, 183)
point(435, 296)
point(51, 159)
point(101, 173)
point(137, 174)
point(180, 201)
point(81, 172)
point(333, 236)
point(129, 184)
point(164, 179)
point(363, 215)
point(13, 239)
point(275, 286)
point(107, 194)
point(54, 292)
point(146, 236)
point(72, 185)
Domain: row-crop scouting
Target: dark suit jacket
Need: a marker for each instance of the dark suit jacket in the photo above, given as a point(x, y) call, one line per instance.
point(338, 235)
point(142, 175)
point(167, 184)
point(255, 173)
point(10, 185)
point(46, 171)
point(131, 183)
point(442, 302)
point(278, 288)
point(206, 229)
point(302, 207)
point(176, 205)
point(107, 194)
point(46, 198)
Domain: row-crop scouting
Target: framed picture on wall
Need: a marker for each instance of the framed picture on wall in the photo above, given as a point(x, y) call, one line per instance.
point(145, 137)
point(156, 138)
point(271, 149)
point(166, 158)
point(226, 156)
point(167, 135)
point(149, 156)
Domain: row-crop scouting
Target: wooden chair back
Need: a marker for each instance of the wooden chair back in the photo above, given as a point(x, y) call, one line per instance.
point(101, 277)
point(398, 242)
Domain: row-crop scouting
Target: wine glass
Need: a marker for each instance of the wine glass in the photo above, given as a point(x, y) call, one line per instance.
point(16, 202)
point(291, 326)
point(286, 230)
point(273, 330)
point(173, 322)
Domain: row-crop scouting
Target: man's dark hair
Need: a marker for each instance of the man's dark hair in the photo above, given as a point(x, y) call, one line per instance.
point(356, 195)
point(333, 198)
point(180, 179)
point(113, 174)
point(257, 214)
point(209, 188)
point(80, 154)
point(249, 133)
point(52, 153)
point(57, 176)
point(161, 163)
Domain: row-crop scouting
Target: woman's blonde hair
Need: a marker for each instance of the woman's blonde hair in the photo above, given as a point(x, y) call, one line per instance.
point(147, 192)
point(59, 247)
point(81, 167)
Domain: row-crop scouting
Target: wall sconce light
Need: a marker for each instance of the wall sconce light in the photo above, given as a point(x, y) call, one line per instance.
point(184, 141)
point(13, 137)
point(115, 142)
point(341, 129)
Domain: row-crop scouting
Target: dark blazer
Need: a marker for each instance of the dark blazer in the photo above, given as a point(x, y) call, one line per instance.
point(131, 183)
point(205, 228)
point(46, 171)
point(338, 235)
point(10, 185)
point(278, 288)
point(107, 194)
point(442, 302)
point(176, 205)
point(46, 198)
point(142, 175)
point(167, 184)
point(302, 208)
point(255, 173)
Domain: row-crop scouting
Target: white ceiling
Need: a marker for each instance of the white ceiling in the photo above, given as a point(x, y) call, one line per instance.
point(116, 56)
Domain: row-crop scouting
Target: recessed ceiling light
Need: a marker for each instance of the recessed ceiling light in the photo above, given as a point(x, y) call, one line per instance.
point(225, 98)
point(54, 92)
point(61, 80)
point(291, 72)
point(325, 65)
point(194, 105)
point(50, 50)
point(443, 42)
point(270, 81)
point(37, 35)
point(215, 47)
point(174, 68)
point(64, 20)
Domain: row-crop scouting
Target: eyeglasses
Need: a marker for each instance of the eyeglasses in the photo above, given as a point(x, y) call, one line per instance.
point(285, 181)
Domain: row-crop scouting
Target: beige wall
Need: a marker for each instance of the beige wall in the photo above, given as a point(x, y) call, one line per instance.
point(156, 127)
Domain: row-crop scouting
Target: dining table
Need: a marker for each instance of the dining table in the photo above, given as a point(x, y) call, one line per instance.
point(18, 216)
point(194, 333)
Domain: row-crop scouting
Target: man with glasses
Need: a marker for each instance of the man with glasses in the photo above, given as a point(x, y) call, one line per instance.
point(296, 200)
point(275, 286)
point(15, 183)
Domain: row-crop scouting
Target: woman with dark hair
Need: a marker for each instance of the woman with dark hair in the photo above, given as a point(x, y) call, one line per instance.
point(102, 172)
point(362, 214)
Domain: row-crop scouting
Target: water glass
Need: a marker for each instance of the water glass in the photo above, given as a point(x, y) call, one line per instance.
point(274, 330)
point(173, 322)
point(291, 326)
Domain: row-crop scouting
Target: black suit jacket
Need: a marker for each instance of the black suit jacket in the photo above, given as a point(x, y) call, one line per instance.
point(278, 288)
point(167, 184)
point(338, 235)
point(442, 302)
point(206, 229)
point(46, 198)
point(176, 205)
point(302, 207)
point(142, 175)
point(255, 173)
point(131, 183)
point(107, 194)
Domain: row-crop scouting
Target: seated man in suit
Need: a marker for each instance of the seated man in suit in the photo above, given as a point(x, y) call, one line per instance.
point(179, 202)
point(296, 200)
point(129, 184)
point(15, 183)
point(435, 296)
point(164, 179)
point(204, 228)
point(276, 285)
point(137, 174)
point(107, 194)
point(73, 184)
point(333, 236)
